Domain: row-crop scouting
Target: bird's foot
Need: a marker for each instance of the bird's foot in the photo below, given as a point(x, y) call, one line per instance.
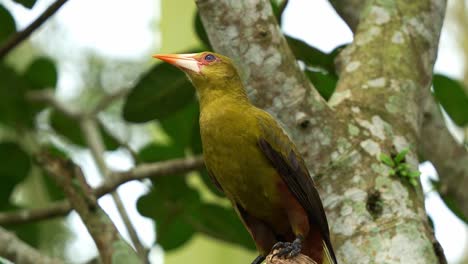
point(258, 260)
point(288, 249)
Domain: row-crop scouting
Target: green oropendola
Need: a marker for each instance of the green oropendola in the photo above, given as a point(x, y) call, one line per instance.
point(251, 159)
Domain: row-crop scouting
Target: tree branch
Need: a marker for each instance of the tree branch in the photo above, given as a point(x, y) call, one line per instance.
point(270, 72)
point(48, 97)
point(448, 157)
point(149, 170)
point(383, 76)
point(71, 179)
point(299, 259)
point(20, 36)
point(349, 10)
point(17, 251)
point(96, 145)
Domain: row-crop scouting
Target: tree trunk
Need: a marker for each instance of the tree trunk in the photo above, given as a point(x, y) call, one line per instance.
point(374, 217)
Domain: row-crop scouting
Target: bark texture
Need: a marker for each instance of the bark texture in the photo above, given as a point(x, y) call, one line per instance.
point(374, 217)
point(382, 77)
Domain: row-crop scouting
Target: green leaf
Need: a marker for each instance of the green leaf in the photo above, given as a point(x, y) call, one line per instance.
point(311, 56)
point(205, 177)
point(200, 31)
point(161, 92)
point(223, 223)
point(7, 24)
point(195, 140)
point(41, 74)
point(401, 155)
point(386, 160)
point(14, 169)
point(15, 111)
point(29, 233)
point(414, 174)
point(70, 129)
point(454, 207)
point(173, 233)
point(451, 95)
point(325, 83)
point(278, 7)
point(26, 3)
point(156, 152)
point(171, 204)
point(179, 125)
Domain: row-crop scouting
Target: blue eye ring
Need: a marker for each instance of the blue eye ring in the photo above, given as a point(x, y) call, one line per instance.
point(210, 57)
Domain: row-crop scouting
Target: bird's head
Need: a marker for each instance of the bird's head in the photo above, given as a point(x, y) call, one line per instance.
point(203, 67)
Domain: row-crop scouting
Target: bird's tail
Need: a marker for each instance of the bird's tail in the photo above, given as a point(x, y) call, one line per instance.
point(328, 256)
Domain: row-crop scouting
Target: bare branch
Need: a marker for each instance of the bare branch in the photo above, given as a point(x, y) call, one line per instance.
point(350, 11)
point(95, 143)
point(149, 170)
point(71, 179)
point(17, 251)
point(20, 36)
point(448, 157)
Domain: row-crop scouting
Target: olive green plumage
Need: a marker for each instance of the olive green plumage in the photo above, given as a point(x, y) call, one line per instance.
point(254, 162)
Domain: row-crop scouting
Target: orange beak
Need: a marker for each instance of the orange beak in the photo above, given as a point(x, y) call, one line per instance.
point(183, 61)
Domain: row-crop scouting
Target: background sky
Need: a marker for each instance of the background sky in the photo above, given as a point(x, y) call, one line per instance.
point(125, 30)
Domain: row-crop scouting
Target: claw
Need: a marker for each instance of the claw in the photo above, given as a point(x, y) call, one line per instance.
point(288, 249)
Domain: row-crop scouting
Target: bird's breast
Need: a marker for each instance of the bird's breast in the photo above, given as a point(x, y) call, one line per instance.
point(231, 153)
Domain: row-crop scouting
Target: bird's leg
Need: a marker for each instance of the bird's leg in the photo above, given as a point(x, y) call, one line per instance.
point(288, 249)
point(258, 260)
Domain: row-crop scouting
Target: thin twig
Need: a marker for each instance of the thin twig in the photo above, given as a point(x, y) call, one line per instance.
point(17, 251)
point(107, 100)
point(20, 36)
point(48, 97)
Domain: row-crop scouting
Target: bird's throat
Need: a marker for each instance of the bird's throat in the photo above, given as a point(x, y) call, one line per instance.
point(231, 91)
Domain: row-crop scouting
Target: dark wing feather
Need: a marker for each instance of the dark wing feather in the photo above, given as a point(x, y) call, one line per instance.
point(284, 157)
point(215, 181)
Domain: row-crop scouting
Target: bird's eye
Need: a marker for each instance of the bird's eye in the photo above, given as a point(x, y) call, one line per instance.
point(210, 57)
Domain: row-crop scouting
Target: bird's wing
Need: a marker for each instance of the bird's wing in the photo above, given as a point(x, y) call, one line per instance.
point(287, 161)
point(215, 181)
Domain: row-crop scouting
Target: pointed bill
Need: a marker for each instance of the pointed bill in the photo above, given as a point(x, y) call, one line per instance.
point(184, 61)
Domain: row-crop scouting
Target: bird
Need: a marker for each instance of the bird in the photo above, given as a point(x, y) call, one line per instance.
point(251, 159)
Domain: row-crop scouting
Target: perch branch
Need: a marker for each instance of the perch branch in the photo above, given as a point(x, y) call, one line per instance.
point(299, 259)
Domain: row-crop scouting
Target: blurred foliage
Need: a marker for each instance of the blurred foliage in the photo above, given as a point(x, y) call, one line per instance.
point(160, 92)
point(451, 95)
point(26, 3)
point(70, 129)
point(449, 201)
point(8, 24)
point(15, 167)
